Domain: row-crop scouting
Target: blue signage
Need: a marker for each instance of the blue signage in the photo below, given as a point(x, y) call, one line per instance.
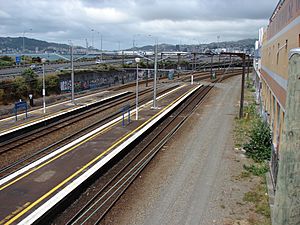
point(20, 105)
point(18, 59)
point(125, 109)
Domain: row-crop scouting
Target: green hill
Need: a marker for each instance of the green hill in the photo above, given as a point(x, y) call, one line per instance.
point(16, 43)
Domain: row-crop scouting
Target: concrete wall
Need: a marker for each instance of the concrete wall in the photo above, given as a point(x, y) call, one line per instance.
point(98, 79)
point(85, 80)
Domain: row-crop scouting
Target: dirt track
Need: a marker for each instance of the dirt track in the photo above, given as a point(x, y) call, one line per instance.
point(192, 179)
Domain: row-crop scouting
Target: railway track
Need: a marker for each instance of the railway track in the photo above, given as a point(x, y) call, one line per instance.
point(115, 182)
point(123, 171)
point(104, 114)
point(122, 174)
point(206, 75)
point(37, 137)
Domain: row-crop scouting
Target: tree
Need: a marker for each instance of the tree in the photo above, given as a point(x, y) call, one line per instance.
point(20, 88)
point(31, 79)
point(52, 84)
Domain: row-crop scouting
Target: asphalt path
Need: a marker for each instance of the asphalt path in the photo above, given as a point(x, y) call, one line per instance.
point(50, 68)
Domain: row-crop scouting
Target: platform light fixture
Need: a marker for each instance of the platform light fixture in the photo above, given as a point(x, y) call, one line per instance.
point(155, 70)
point(155, 75)
point(137, 60)
point(72, 72)
point(44, 86)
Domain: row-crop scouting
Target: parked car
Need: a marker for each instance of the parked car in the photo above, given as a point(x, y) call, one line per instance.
point(32, 66)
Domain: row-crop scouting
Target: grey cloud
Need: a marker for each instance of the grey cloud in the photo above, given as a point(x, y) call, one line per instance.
point(205, 9)
point(119, 20)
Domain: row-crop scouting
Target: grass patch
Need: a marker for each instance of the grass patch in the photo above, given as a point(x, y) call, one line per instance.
point(243, 175)
point(251, 134)
point(243, 126)
point(251, 196)
point(257, 169)
point(241, 130)
point(258, 197)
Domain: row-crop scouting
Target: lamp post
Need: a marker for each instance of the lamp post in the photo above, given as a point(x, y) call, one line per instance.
point(72, 72)
point(101, 48)
point(134, 43)
point(137, 60)
point(92, 31)
point(44, 86)
point(100, 45)
point(155, 72)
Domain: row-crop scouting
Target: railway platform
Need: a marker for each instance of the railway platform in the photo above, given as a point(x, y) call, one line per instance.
point(34, 190)
point(10, 124)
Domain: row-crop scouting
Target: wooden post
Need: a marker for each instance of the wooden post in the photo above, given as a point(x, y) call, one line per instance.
point(287, 196)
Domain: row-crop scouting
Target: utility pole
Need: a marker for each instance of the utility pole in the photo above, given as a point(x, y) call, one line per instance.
point(133, 44)
point(219, 61)
point(231, 63)
point(178, 60)
point(155, 76)
point(101, 47)
point(86, 45)
point(243, 57)
point(137, 60)
point(92, 30)
point(211, 64)
point(44, 87)
point(72, 74)
point(287, 196)
point(194, 61)
point(242, 89)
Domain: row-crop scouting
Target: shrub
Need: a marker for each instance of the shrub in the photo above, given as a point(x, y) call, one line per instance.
point(6, 61)
point(251, 110)
point(257, 169)
point(52, 84)
point(259, 146)
point(31, 79)
point(20, 88)
point(6, 58)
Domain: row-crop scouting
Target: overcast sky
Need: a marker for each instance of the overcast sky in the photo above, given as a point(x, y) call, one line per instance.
point(121, 21)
